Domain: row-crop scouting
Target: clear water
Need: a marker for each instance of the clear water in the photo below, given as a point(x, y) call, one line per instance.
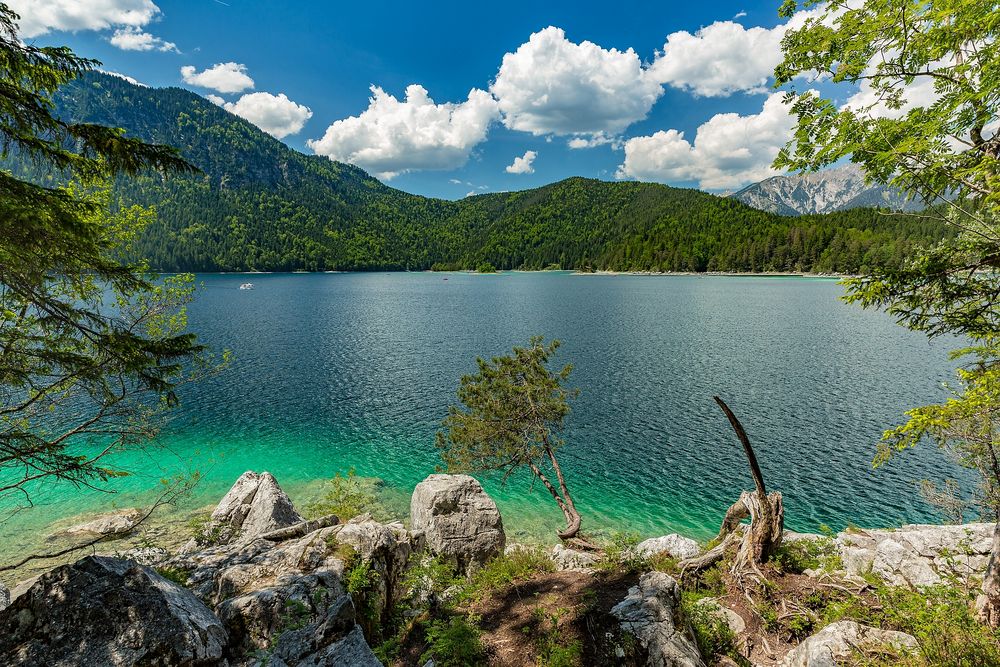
point(334, 371)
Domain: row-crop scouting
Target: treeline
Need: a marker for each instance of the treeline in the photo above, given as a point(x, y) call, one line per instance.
point(259, 205)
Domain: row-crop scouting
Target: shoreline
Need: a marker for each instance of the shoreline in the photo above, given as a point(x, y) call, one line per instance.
point(573, 272)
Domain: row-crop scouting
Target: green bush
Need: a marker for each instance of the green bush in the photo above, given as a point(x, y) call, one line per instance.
point(518, 565)
point(712, 634)
point(454, 642)
point(552, 649)
point(486, 267)
point(805, 554)
point(348, 496)
point(620, 554)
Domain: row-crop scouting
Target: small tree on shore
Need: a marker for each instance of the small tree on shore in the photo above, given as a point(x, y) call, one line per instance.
point(513, 412)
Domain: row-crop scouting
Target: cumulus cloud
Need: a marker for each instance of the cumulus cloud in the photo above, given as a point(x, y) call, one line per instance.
point(392, 137)
point(724, 57)
point(132, 38)
point(215, 99)
point(920, 93)
point(275, 114)
point(522, 165)
point(39, 17)
point(223, 77)
point(599, 139)
point(551, 85)
point(728, 151)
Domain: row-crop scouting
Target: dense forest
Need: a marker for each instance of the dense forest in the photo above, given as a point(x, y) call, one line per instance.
point(259, 205)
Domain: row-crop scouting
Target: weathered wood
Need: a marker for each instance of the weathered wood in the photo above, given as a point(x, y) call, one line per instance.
point(766, 512)
point(301, 528)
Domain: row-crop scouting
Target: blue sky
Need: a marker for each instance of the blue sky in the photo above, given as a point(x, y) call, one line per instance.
point(486, 84)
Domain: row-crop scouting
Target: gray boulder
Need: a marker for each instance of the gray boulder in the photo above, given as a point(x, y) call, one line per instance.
point(114, 523)
point(573, 559)
point(458, 520)
point(839, 642)
point(255, 505)
point(332, 640)
point(4, 597)
point(106, 611)
point(674, 545)
point(728, 616)
point(917, 555)
point(651, 612)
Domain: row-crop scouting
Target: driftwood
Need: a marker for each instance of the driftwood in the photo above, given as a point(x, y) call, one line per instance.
point(301, 528)
point(766, 514)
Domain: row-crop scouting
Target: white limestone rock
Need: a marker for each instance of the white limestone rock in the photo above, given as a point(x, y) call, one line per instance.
point(458, 520)
point(651, 612)
point(839, 642)
point(674, 545)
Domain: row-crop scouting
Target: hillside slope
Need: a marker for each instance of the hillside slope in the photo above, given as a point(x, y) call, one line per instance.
point(259, 205)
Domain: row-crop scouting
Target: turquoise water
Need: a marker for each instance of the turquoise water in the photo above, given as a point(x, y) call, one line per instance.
point(334, 371)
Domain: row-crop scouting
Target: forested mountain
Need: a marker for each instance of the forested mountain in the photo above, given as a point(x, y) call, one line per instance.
point(259, 205)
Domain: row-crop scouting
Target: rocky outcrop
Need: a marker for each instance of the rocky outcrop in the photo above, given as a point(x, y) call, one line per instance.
point(115, 523)
point(333, 639)
point(839, 642)
point(573, 559)
point(253, 506)
point(651, 612)
point(106, 611)
point(259, 587)
point(917, 555)
point(458, 521)
point(673, 545)
point(4, 597)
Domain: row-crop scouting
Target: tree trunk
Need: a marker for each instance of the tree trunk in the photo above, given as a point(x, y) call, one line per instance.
point(767, 525)
point(988, 603)
point(566, 505)
point(766, 512)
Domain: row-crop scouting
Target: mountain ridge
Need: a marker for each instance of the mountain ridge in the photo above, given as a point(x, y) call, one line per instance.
point(260, 205)
point(828, 191)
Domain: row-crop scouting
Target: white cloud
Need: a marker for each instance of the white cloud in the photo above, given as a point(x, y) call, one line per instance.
point(728, 151)
point(551, 85)
point(41, 16)
point(215, 99)
point(132, 38)
point(392, 136)
point(223, 77)
point(522, 165)
point(599, 139)
point(724, 57)
point(920, 93)
point(275, 114)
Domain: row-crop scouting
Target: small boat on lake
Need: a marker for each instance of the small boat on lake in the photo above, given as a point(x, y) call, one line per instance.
point(246, 286)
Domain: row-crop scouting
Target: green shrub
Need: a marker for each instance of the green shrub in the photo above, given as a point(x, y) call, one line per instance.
point(204, 531)
point(454, 642)
point(518, 565)
point(712, 634)
point(348, 496)
point(802, 555)
point(486, 267)
point(427, 579)
point(620, 554)
point(174, 574)
point(552, 649)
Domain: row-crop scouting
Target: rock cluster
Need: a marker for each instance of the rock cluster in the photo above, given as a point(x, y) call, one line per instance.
point(651, 612)
point(839, 642)
point(917, 555)
point(273, 588)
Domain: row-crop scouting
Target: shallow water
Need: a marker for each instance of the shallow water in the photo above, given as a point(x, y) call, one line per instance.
point(334, 371)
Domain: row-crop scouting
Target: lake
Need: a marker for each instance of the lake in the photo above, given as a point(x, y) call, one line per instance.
point(334, 371)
